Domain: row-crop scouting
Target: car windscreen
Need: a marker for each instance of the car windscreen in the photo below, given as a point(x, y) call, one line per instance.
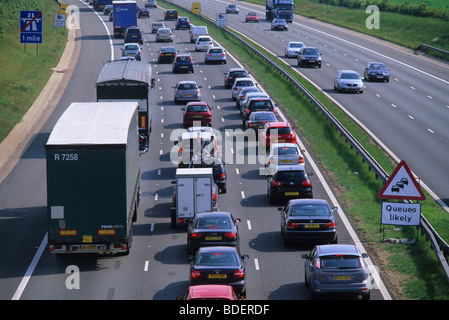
point(310, 210)
point(310, 52)
point(340, 262)
point(352, 76)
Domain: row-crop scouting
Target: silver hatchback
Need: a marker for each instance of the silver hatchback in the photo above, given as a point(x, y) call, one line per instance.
point(187, 90)
point(164, 34)
point(215, 54)
point(337, 269)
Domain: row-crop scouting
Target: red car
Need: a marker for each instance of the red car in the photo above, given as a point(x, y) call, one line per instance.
point(252, 17)
point(210, 292)
point(282, 131)
point(197, 112)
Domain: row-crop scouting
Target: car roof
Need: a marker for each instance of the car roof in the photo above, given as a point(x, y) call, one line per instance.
point(332, 249)
point(294, 167)
point(349, 71)
point(130, 43)
point(213, 214)
point(260, 112)
point(186, 81)
point(244, 78)
point(210, 291)
point(278, 124)
point(308, 201)
point(217, 249)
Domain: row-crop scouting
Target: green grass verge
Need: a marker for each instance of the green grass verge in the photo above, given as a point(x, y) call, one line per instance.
point(413, 269)
point(24, 74)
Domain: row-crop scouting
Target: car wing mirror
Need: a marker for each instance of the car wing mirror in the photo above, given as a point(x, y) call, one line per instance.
point(305, 256)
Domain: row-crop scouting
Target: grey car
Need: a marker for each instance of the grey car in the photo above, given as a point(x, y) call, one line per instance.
point(279, 24)
point(215, 55)
point(376, 71)
point(131, 50)
point(337, 269)
point(348, 80)
point(164, 34)
point(187, 90)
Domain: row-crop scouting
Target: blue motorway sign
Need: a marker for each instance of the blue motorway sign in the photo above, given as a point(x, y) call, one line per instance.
point(30, 26)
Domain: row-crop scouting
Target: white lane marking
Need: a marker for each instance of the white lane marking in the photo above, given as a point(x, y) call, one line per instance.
point(248, 223)
point(256, 264)
point(147, 264)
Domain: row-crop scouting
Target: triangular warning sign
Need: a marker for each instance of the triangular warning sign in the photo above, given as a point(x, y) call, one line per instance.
point(401, 185)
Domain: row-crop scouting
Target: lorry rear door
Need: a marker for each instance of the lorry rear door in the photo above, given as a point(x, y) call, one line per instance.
point(204, 195)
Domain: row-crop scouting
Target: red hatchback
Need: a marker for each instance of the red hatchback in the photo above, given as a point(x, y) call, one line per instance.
point(197, 112)
point(278, 132)
point(252, 16)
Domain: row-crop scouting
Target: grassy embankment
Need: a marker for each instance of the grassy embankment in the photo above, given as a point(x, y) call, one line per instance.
point(412, 270)
point(24, 74)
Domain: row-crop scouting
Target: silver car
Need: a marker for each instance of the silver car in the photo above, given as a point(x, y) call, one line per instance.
point(239, 83)
point(348, 80)
point(284, 154)
point(215, 54)
point(164, 34)
point(131, 50)
point(187, 90)
point(337, 269)
point(292, 48)
point(156, 26)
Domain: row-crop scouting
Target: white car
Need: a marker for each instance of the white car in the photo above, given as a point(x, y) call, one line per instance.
point(292, 48)
point(202, 43)
point(284, 154)
point(348, 80)
point(240, 83)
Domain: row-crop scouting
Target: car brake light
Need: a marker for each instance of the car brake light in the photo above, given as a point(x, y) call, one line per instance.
point(275, 183)
point(196, 275)
point(214, 196)
point(362, 263)
point(230, 235)
point(248, 111)
point(317, 263)
point(290, 224)
point(330, 225)
point(196, 235)
point(223, 176)
point(301, 159)
point(239, 274)
point(306, 183)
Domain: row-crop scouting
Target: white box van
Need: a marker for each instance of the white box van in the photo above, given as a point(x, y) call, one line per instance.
point(197, 31)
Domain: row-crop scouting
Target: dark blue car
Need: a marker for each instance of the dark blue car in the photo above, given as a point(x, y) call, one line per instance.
point(182, 23)
point(183, 63)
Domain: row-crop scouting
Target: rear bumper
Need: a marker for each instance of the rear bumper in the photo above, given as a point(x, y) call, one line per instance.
point(99, 248)
point(312, 236)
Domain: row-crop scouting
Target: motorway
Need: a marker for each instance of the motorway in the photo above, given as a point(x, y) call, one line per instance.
point(157, 268)
point(407, 116)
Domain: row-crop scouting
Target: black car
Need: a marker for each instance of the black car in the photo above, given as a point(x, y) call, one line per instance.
point(133, 35)
point(143, 12)
point(376, 71)
point(279, 24)
point(309, 56)
point(183, 63)
point(232, 74)
point(212, 229)
point(219, 173)
point(219, 265)
point(288, 182)
point(166, 54)
point(308, 220)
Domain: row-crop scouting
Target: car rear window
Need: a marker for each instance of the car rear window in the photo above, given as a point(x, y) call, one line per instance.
point(187, 86)
point(291, 176)
point(281, 130)
point(184, 59)
point(244, 83)
point(237, 74)
point(310, 210)
point(217, 259)
point(213, 223)
point(197, 108)
point(260, 104)
point(263, 117)
point(340, 262)
point(286, 150)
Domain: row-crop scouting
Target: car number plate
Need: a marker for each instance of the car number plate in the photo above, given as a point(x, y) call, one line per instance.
point(168, 54)
point(187, 95)
point(285, 161)
point(260, 126)
point(213, 238)
point(281, 140)
point(183, 67)
point(342, 277)
point(292, 193)
point(197, 117)
point(311, 226)
point(217, 276)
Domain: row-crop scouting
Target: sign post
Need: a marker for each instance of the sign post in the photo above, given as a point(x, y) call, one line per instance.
point(402, 186)
point(31, 27)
